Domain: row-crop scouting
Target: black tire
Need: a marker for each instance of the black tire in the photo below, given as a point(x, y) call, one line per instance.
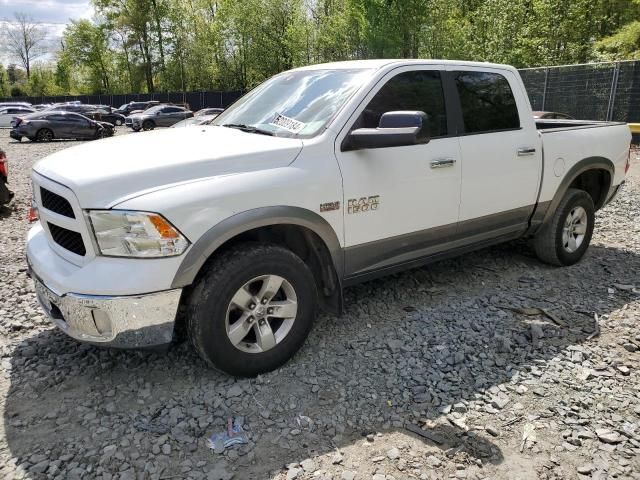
point(44, 135)
point(148, 125)
point(548, 242)
point(118, 122)
point(211, 296)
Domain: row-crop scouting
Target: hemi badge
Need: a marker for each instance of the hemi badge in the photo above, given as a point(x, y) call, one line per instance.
point(329, 206)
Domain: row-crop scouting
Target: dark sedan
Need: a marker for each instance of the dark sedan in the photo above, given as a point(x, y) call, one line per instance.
point(46, 126)
point(106, 115)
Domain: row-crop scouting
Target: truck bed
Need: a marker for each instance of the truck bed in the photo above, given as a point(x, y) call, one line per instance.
point(567, 142)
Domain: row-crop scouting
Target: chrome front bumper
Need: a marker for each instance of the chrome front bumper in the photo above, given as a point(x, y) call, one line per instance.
point(125, 321)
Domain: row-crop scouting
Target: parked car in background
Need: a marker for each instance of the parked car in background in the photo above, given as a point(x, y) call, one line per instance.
point(72, 108)
point(107, 115)
point(128, 108)
point(15, 104)
point(195, 121)
point(7, 114)
point(158, 116)
point(41, 106)
point(552, 116)
point(208, 111)
point(46, 126)
point(5, 194)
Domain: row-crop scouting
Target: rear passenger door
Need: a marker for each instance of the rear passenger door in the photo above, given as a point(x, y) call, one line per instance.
point(170, 115)
point(501, 152)
point(59, 125)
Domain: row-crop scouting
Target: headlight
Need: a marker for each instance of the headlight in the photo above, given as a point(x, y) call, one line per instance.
point(122, 233)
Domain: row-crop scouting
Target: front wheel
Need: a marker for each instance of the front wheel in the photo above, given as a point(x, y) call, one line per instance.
point(148, 125)
point(565, 238)
point(252, 309)
point(118, 122)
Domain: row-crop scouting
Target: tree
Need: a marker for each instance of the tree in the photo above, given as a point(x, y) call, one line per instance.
point(86, 47)
point(26, 40)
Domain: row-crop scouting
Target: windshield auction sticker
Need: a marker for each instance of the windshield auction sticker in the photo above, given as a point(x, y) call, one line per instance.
point(287, 123)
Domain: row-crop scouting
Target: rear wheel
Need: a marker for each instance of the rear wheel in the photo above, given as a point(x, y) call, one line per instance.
point(565, 238)
point(252, 309)
point(148, 125)
point(44, 135)
point(118, 122)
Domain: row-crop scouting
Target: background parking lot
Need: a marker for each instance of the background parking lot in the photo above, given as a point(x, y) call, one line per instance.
point(490, 365)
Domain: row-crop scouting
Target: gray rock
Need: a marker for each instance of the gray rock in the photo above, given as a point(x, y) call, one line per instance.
point(500, 401)
point(308, 465)
point(348, 475)
point(235, 391)
point(393, 453)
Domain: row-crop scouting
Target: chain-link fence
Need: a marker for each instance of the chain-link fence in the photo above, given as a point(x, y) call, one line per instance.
point(597, 91)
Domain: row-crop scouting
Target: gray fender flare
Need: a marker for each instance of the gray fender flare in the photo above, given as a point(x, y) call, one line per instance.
point(590, 163)
point(242, 222)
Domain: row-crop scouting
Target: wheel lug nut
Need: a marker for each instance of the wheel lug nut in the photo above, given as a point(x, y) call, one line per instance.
point(252, 306)
point(250, 319)
point(264, 301)
point(270, 311)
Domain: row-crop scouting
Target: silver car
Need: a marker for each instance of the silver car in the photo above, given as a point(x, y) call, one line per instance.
point(158, 116)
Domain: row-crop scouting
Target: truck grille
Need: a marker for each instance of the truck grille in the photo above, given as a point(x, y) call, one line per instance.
point(56, 203)
point(67, 239)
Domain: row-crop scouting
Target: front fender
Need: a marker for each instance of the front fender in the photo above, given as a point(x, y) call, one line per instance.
point(242, 222)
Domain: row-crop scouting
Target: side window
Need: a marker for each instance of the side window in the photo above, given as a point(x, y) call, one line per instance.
point(171, 110)
point(416, 90)
point(487, 102)
point(56, 118)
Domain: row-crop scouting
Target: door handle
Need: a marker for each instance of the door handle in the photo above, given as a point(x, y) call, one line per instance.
point(526, 151)
point(443, 162)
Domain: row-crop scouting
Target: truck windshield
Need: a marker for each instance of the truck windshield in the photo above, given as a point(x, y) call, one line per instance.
point(297, 103)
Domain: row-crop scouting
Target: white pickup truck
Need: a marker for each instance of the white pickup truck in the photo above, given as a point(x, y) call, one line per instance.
point(319, 178)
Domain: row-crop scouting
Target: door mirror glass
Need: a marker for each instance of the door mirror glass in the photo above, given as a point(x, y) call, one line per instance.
point(395, 129)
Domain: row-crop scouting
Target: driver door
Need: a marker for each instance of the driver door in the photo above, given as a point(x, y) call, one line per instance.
point(400, 203)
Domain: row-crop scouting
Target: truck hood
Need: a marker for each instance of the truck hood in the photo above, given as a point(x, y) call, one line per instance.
point(103, 173)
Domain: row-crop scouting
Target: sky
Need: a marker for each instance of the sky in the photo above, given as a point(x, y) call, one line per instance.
point(54, 14)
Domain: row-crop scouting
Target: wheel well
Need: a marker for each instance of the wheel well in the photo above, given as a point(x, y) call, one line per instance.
point(596, 183)
point(307, 245)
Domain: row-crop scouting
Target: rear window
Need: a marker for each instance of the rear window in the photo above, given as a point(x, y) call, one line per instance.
point(487, 102)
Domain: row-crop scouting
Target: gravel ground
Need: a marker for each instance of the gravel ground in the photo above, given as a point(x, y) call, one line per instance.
point(491, 365)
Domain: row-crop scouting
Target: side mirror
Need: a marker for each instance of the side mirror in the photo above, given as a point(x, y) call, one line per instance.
point(395, 129)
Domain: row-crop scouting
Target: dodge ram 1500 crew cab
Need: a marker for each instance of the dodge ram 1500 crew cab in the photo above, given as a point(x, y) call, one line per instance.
point(319, 178)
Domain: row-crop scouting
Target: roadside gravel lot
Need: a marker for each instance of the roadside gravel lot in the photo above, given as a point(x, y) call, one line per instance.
point(506, 368)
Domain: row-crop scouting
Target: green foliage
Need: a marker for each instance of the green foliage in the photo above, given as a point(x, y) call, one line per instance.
point(18, 91)
point(624, 45)
point(174, 45)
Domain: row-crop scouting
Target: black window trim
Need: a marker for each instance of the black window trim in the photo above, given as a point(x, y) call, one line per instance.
point(455, 99)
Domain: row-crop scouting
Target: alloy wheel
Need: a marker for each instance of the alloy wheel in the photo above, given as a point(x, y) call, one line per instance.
point(261, 314)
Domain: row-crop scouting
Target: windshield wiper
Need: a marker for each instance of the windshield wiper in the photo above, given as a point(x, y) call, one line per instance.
point(248, 128)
